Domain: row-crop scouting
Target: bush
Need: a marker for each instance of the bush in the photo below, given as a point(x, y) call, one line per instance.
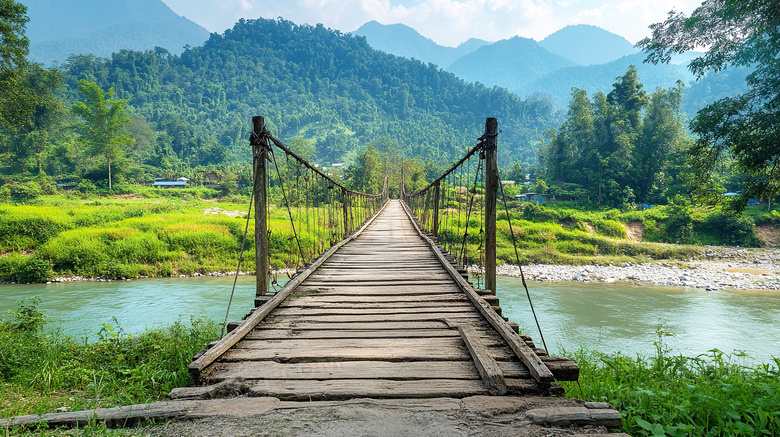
point(727, 228)
point(709, 395)
point(610, 228)
point(34, 269)
point(21, 191)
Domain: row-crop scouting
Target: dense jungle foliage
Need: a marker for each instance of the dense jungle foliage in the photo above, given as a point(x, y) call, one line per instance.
point(194, 110)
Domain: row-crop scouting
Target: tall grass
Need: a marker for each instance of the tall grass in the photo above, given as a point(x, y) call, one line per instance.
point(42, 370)
point(669, 395)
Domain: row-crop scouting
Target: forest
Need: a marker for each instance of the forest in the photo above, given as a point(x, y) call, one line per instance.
point(189, 113)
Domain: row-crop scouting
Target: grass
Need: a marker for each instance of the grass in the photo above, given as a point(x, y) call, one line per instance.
point(669, 395)
point(130, 238)
point(167, 233)
point(44, 370)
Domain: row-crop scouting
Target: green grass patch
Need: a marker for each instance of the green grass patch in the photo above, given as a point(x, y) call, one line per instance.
point(42, 369)
point(670, 395)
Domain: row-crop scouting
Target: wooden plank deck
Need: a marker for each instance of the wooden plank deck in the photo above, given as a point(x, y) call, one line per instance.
point(381, 317)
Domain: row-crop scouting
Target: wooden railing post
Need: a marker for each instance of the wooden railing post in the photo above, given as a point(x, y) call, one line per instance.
point(491, 194)
point(436, 209)
point(259, 187)
point(344, 201)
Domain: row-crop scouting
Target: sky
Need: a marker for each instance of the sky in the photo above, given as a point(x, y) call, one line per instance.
point(447, 22)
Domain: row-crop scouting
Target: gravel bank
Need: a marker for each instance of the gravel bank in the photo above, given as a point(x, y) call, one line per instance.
point(716, 269)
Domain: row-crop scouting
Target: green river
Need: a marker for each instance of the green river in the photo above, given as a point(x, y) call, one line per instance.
point(603, 317)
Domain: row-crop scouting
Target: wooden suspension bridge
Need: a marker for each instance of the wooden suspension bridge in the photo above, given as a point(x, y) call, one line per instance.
point(385, 313)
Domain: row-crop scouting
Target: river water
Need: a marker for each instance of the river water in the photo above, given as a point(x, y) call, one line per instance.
point(603, 317)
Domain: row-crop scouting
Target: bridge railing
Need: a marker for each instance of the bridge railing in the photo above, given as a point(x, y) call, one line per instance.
point(459, 207)
point(316, 209)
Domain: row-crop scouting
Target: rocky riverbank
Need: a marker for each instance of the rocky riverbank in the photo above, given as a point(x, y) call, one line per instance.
point(716, 269)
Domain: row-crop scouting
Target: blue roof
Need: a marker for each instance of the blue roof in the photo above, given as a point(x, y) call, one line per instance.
point(169, 184)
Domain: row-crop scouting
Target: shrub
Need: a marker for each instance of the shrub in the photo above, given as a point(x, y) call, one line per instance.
point(610, 228)
point(34, 269)
point(22, 191)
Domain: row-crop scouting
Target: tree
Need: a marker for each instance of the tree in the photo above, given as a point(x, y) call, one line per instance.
point(103, 122)
point(14, 44)
point(745, 128)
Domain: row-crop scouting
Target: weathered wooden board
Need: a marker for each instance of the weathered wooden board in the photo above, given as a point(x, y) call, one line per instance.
point(384, 317)
point(352, 310)
point(379, 290)
point(332, 298)
point(281, 334)
point(346, 370)
point(301, 324)
point(359, 388)
point(352, 343)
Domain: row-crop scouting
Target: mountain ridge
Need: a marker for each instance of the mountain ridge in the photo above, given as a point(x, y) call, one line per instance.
point(103, 27)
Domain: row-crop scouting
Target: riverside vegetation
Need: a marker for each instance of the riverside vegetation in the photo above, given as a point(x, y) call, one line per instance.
point(45, 371)
point(151, 232)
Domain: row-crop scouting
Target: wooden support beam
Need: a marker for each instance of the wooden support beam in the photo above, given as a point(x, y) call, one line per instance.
point(491, 195)
point(486, 365)
point(259, 187)
point(436, 190)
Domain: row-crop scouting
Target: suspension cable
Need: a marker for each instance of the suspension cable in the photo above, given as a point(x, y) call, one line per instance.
point(240, 260)
point(517, 257)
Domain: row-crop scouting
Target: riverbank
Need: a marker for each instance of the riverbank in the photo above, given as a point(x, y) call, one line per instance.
point(717, 268)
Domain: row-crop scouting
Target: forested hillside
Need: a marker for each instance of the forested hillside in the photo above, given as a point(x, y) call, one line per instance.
point(309, 82)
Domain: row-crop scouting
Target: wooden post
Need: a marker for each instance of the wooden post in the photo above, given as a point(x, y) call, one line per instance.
point(436, 209)
point(491, 193)
point(259, 154)
point(344, 206)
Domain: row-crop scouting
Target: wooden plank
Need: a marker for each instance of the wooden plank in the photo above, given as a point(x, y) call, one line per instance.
point(538, 369)
point(229, 340)
point(379, 290)
point(281, 334)
point(332, 298)
point(299, 324)
point(487, 367)
point(387, 306)
point(380, 309)
point(430, 317)
point(251, 370)
point(352, 343)
point(357, 388)
point(365, 353)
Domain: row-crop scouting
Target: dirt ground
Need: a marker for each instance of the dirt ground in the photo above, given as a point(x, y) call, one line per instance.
point(769, 234)
point(446, 417)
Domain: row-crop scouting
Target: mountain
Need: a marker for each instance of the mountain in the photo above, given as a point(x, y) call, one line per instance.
point(510, 63)
point(60, 28)
point(594, 78)
point(587, 45)
point(402, 40)
point(310, 82)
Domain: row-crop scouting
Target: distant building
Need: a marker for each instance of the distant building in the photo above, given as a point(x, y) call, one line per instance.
point(507, 182)
point(211, 179)
point(531, 197)
point(67, 186)
point(170, 184)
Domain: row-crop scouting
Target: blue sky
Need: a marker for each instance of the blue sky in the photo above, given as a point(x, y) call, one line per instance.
point(448, 22)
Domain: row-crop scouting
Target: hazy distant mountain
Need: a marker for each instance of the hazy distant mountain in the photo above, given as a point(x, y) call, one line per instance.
point(510, 63)
point(587, 45)
point(593, 78)
point(402, 40)
point(59, 28)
